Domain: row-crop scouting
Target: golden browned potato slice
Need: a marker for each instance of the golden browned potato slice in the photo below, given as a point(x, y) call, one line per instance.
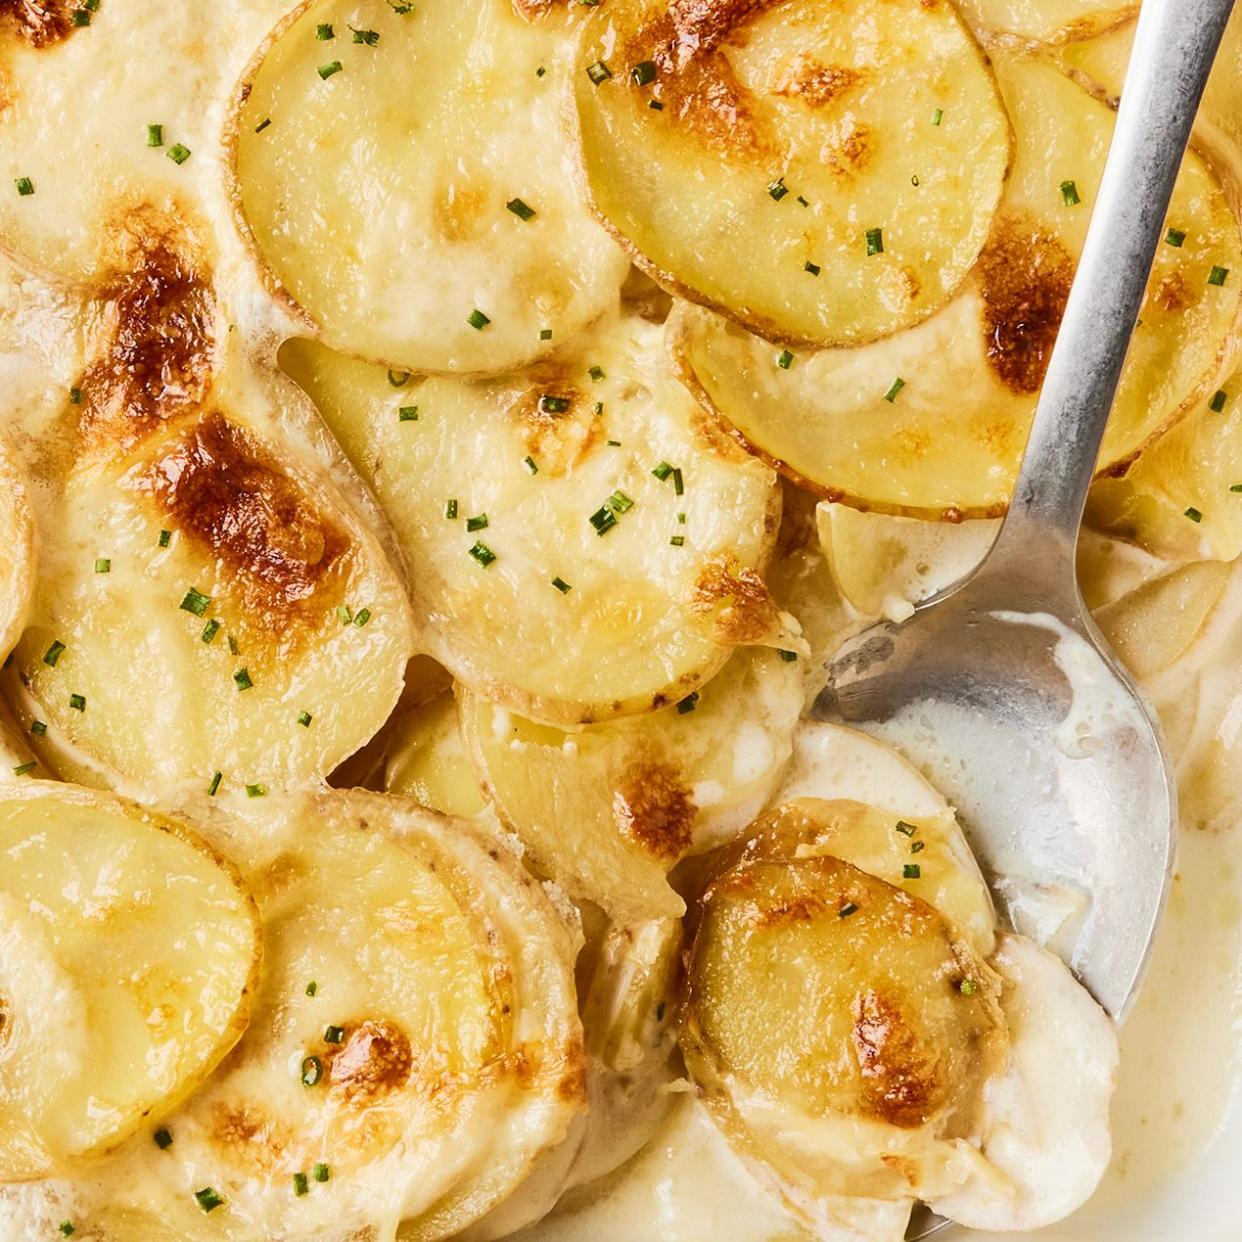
point(427, 759)
point(585, 496)
point(932, 422)
point(841, 1027)
point(17, 549)
point(406, 176)
point(607, 811)
point(1044, 21)
point(415, 1043)
point(824, 172)
point(208, 602)
point(128, 953)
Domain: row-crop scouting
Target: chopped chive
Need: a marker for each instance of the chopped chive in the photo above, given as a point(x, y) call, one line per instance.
point(67, 1226)
point(52, 654)
point(620, 502)
point(914, 181)
point(256, 791)
point(81, 17)
point(530, 464)
point(304, 719)
point(603, 520)
point(24, 769)
point(320, 1172)
point(1217, 403)
point(917, 847)
point(324, 32)
point(25, 187)
point(540, 71)
point(937, 116)
point(1174, 237)
point(689, 703)
point(155, 135)
point(450, 510)
point(103, 565)
point(178, 153)
point(677, 541)
point(553, 405)
point(655, 105)
point(38, 727)
point(301, 1184)
point(802, 201)
point(875, 241)
point(662, 471)
point(1069, 193)
point(911, 871)
point(77, 702)
point(1236, 487)
point(599, 409)
point(262, 125)
point(788, 656)
point(562, 586)
point(214, 787)
point(483, 554)
point(597, 374)
point(333, 1034)
point(598, 72)
point(644, 73)
point(196, 602)
point(1218, 276)
point(163, 1139)
point(906, 830)
point(312, 1071)
point(478, 320)
point(520, 209)
point(398, 379)
point(210, 630)
point(893, 389)
point(326, 71)
point(614, 443)
point(784, 360)
point(478, 522)
point(813, 268)
point(545, 334)
point(207, 1198)
point(408, 414)
point(75, 396)
point(679, 486)
point(369, 38)
point(777, 189)
point(165, 538)
point(311, 988)
point(361, 617)
point(846, 910)
point(968, 987)
point(344, 615)
point(1193, 514)
point(242, 678)
point(233, 648)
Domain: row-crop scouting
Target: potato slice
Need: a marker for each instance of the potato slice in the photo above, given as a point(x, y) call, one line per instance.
point(606, 812)
point(415, 1032)
point(792, 131)
point(841, 1028)
point(17, 549)
point(445, 233)
point(427, 760)
point(932, 422)
point(128, 952)
point(208, 605)
point(1045, 21)
point(548, 502)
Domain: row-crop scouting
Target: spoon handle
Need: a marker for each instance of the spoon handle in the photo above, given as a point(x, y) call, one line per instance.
point(1174, 47)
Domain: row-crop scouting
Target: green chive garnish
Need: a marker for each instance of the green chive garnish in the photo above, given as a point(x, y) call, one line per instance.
point(553, 405)
point(38, 727)
point(598, 72)
point(679, 486)
point(326, 71)
point(1069, 193)
point(196, 602)
point(163, 1139)
point(207, 1198)
point(655, 105)
point(52, 654)
point(562, 586)
point(81, 17)
point(77, 702)
point(1217, 403)
point(1174, 237)
point(242, 678)
point(25, 187)
point(367, 37)
point(478, 522)
point(596, 374)
point(545, 334)
point(875, 241)
point(304, 719)
point(210, 630)
point(450, 510)
point(478, 320)
point(918, 847)
point(312, 1071)
point(301, 1184)
point(320, 1173)
point(262, 125)
point(784, 360)
point(603, 520)
point(165, 538)
point(910, 871)
point(846, 910)
point(893, 389)
point(1194, 514)
point(1218, 275)
point(620, 502)
point(777, 189)
point(333, 1034)
point(644, 73)
point(788, 656)
point(483, 554)
point(75, 396)
point(311, 988)
point(662, 471)
point(256, 791)
point(398, 379)
point(361, 617)
point(24, 769)
point(677, 541)
point(689, 703)
point(520, 209)
point(178, 154)
point(968, 987)
point(66, 1226)
point(407, 414)
point(155, 135)
point(214, 787)
point(906, 830)
point(103, 565)
point(324, 32)
point(937, 116)
point(813, 268)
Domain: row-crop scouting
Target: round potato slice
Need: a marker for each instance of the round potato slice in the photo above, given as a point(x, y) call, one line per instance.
point(427, 760)
point(210, 610)
point(932, 422)
point(415, 1043)
point(17, 549)
point(608, 811)
point(790, 132)
point(406, 178)
point(128, 952)
point(586, 496)
point(1044, 21)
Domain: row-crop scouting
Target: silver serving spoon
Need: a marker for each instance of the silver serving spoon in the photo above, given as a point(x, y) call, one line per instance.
point(1001, 688)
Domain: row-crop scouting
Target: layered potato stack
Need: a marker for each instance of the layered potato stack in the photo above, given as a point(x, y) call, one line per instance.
point(440, 446)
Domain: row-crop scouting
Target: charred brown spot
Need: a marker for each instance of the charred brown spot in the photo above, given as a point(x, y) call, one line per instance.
point(249, 1136)
point(815, 83)
point(374, 1060)
point(557, 421)
point(795, 910)
point(459, 212)
point(156, 360)
point(1172, 293)
point(851, 155)
point(903, 1081)
point(1024, 278)
point(652, 807)
point(737, 600)
point(573, 1084)
point(38, 22)
point(226, 493)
